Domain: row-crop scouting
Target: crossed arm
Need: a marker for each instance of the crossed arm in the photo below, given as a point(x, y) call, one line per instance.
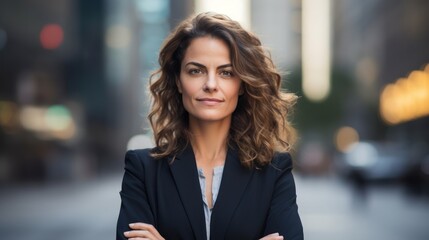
point(145, 231)
point(136, 220)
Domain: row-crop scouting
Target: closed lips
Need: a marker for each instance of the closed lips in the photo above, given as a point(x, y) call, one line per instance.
point(209, 99)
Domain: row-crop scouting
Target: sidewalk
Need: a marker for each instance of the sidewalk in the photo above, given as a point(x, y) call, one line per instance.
point(329, 210)
point(86, 210)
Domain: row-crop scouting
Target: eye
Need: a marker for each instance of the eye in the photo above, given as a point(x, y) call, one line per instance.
point(227, 73)
point(194, 71)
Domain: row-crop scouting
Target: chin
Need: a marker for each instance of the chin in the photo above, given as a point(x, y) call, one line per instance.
point(211, 117)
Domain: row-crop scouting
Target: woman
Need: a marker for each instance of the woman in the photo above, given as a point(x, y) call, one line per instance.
point(220, 168)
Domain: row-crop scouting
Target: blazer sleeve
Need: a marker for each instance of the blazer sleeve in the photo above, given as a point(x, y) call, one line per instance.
point(135, 206)
point(283, 215)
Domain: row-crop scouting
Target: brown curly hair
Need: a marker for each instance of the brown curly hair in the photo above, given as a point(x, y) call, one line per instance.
point(259, 124)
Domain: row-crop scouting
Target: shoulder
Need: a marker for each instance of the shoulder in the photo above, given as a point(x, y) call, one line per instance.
point(282, 161)
point(140, 158)
point(141, 154)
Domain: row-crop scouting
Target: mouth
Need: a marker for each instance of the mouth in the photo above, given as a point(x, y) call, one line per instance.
point(209, 100)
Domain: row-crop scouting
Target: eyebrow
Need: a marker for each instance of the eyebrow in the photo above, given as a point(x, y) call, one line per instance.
point(202, 66)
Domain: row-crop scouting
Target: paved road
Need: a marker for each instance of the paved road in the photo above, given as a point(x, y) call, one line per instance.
point(329, 211)
point(79, 211)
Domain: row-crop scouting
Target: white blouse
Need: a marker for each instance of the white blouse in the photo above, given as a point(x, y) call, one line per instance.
point(217, 178)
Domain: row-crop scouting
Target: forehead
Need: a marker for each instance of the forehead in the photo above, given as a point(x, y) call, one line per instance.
point(207, 49)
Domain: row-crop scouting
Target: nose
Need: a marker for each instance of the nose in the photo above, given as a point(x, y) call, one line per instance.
point(211, 84)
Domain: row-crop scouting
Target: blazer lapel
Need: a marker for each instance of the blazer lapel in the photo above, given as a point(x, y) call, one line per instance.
point(234, 181)
point(184, 171)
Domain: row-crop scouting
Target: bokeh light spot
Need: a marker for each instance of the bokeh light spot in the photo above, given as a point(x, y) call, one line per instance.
point(345, 138)
point(58, 118)
point(51, 36)
point(118, 36)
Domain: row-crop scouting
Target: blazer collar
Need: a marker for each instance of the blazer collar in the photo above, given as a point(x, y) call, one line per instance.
point(234, 181)
point(184, 171)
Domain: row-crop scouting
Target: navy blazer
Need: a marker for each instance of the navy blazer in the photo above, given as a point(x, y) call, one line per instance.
point(251, 203)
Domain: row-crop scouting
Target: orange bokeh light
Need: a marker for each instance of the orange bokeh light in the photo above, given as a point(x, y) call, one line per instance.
point(406, 99)
point(51, 36)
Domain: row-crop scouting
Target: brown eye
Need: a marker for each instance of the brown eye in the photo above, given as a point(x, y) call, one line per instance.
point(195, 71)
point(227, 73)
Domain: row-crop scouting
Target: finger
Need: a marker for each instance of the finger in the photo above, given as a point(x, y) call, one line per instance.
point(273, 236)
point(147, 227)
point(139, 233)
point(154, 231)
point(139, 226)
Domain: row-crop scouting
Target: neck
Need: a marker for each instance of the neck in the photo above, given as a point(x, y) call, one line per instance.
point(209, 141)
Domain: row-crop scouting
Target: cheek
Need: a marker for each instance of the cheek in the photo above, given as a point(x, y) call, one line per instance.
point(233, 90)
point(186, 102)
point(189, 89)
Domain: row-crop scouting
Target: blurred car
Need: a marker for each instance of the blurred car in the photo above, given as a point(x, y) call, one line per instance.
point(313, 159)
point(417, 177)
point(372, 161)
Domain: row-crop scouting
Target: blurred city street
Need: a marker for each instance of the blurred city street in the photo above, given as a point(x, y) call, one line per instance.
point(69, 211)
point(74, 80)
point(329, 209)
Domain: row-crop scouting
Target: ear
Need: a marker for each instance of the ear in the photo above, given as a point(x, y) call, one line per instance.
point(178, 84)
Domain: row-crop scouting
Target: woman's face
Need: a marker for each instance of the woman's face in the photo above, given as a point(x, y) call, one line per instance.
point(207, 82)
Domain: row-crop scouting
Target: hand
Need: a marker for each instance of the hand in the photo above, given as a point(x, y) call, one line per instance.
point(272, 236)
point(143, 231)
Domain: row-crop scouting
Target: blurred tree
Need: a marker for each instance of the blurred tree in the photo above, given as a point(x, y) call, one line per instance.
point(320, 116)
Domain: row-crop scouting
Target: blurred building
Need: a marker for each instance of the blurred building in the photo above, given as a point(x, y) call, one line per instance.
point(379, 42)
point(74, 75)
point(278, 24)
point(73, 86)
point(383, 45)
